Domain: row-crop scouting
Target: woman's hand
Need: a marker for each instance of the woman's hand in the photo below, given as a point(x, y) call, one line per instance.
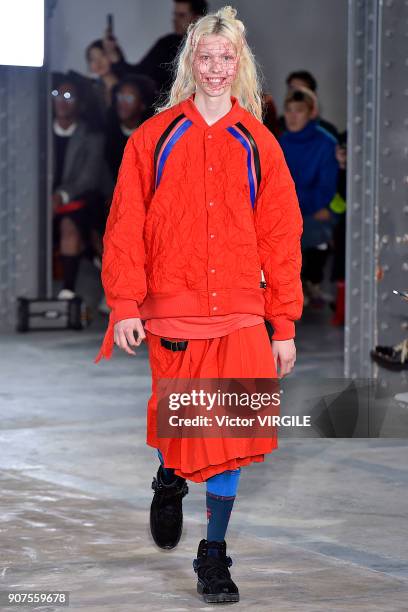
point(110, 46)
point(124, 336)
point(284, 352)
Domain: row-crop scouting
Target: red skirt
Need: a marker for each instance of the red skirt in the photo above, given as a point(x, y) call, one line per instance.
point(244, 353)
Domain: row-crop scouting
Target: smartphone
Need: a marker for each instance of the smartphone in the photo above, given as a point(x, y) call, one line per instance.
point(109, 24)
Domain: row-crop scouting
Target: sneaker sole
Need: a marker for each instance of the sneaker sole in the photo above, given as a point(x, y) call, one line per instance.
point(395, 366)
point(217, 597)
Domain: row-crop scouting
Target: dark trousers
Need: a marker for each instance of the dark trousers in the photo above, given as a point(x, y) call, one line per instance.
point(339, 259)
point(313, 263)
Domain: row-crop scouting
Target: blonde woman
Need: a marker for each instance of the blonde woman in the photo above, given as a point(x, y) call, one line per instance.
point(204, 204)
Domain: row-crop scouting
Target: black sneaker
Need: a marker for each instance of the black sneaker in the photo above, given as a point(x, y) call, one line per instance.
point(392, 357)
point(166, 511)
point(214, 580)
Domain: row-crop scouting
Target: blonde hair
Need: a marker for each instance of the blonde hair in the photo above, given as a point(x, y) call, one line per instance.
point(246, 86)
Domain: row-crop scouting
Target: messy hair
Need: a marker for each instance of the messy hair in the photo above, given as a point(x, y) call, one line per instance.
point(305, 76)
point(302, 94)
point(247, 84)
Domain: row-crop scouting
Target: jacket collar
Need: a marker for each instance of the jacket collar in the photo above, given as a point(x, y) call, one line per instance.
point(60, 131)
point(308, 132)
point(234, 115)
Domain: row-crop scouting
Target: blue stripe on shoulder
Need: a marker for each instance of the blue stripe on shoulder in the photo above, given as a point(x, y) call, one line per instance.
point(245, 143)
point(169, 146)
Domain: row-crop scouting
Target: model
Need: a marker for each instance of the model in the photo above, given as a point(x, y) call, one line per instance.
point(205, 203)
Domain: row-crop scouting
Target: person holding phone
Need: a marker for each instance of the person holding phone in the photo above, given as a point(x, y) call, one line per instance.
point(133, 98)
point(204, 206)
point(159, 60)
point(77, 173)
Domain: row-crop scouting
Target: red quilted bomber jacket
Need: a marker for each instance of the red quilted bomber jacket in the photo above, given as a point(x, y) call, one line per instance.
point(198, 211)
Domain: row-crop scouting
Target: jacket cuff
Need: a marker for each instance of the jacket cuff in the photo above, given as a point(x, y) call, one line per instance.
point(284, 329)
point(125, 309)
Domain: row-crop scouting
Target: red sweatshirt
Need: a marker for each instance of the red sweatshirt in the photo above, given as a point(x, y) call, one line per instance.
point(198, 211)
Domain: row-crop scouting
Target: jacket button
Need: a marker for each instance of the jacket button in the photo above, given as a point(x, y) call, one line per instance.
point(212, 235)
point(209, 136)
point(210, 168)
point(215, 307)
point(214, 294)
point(213, 271)
point(211, 203)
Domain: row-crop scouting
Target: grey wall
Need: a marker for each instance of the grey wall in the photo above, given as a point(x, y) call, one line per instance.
point(377, 208)
point(19, 199)
point(285, 35)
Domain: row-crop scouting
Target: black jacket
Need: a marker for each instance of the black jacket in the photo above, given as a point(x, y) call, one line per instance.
point(157, 63)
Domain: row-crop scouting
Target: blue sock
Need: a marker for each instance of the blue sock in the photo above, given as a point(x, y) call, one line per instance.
point(168, 473)
point(220, 497)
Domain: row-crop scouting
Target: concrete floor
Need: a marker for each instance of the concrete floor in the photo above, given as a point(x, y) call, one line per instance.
point(320, 526)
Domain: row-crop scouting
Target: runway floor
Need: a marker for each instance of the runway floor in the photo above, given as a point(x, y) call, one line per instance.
point(320, 526)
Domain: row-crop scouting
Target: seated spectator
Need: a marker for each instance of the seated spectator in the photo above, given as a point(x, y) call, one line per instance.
point(78, 163)
point(134, 97)
point(310, 153)
point(339, 235)
point(270, 115)
point(158, 62)
point(100, 66)
point(299, 80)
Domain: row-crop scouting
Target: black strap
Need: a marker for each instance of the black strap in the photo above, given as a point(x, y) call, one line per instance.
point(174, 346)
point(257, 162)
point(163, 138)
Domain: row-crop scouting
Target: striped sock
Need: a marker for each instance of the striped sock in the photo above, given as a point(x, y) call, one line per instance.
point(220, 497)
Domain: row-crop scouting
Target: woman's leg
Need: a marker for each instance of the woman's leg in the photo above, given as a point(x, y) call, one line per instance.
point(314, 261)
point(167, 473)
point(166, 510)
point(221, 491)
point(71, 246)
point(214, 580)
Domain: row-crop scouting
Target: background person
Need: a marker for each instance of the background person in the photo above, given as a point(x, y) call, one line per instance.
point(105, 78)
point(159, 61)
point(338, 273)
point(310, 153)
point(133, 100)
point(298, 80)
point(78, 164)
point(270, 117)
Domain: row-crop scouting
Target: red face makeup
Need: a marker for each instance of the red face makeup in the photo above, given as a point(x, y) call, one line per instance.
point(215, 64)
